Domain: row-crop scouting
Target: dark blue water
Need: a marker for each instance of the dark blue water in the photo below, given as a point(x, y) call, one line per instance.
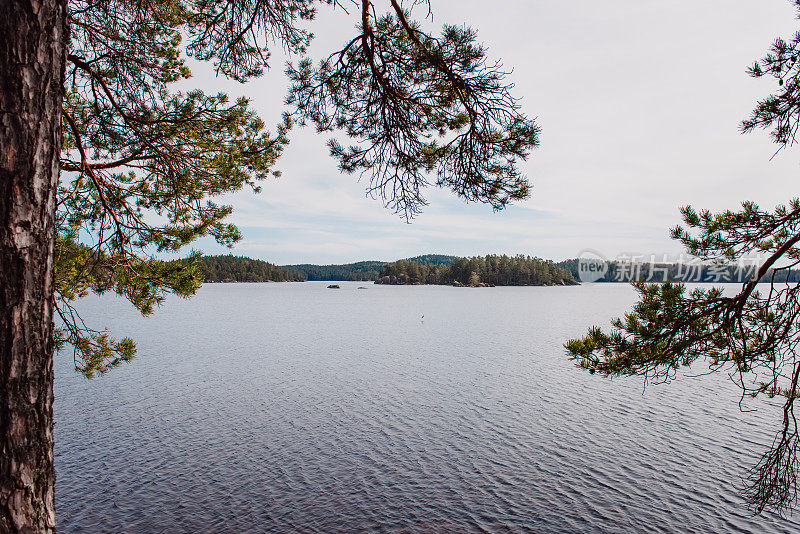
point(295, 408)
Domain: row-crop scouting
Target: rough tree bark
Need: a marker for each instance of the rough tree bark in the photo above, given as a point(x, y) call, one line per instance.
point(33, 47)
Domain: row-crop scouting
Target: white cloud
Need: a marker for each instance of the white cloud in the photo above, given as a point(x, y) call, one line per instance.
point(639, 104)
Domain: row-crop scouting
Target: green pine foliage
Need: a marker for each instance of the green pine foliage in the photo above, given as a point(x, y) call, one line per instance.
point(418, 109)
point(751, 336)
point(145, 164)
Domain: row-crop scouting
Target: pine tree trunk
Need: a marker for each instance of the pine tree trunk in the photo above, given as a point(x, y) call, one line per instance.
point(33, 47)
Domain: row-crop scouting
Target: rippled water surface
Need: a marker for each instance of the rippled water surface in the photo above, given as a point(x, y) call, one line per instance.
point(296, 408)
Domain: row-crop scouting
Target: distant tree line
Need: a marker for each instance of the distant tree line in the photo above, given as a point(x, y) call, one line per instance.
point(433, 259)
point(231, 268)
point(362, 271)
point(498, 270)
point(488, 270)
point(356, 272)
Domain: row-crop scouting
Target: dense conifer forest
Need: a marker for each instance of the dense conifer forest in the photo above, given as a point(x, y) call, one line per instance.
point(361, 271)
point(489, 270)
point(231, 268)
point(433, 259)
point(424, 269)
point(500, 270)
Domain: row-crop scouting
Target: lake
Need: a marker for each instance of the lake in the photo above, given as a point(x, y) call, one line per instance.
point(297, 408)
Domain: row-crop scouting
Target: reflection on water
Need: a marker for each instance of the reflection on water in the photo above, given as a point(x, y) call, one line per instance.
point(296, 408)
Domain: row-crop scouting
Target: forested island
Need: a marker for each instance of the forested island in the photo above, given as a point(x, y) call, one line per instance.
point(478, 271)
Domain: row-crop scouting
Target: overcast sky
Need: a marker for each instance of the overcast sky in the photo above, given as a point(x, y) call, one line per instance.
point(639, 103)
